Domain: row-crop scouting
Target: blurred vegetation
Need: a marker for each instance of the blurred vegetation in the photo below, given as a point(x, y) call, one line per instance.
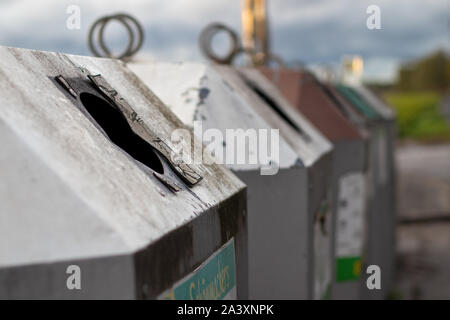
point(418, 115)
point(429, 73)
point(417, 96)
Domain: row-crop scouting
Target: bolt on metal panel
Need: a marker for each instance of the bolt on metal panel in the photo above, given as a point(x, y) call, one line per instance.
point(348, 177)
point(381, 235)
point(280, 206)
point(89, 183)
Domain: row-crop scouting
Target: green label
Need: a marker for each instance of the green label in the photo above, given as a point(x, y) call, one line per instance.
point(348, 269)
point(215, 279)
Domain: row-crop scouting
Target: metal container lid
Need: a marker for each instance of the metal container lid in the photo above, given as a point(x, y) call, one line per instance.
point(377, 104)
point(307, 133)
point(346, 109)
point(67, 191)
point(358, 102)
point(314, 103)
point(219, 98)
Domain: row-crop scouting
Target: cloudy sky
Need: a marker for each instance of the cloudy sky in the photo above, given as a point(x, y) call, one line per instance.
point(308, 31)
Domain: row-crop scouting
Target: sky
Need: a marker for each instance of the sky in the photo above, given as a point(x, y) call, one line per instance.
point(310, 32)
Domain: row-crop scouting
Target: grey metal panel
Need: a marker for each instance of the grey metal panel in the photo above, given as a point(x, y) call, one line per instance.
point(34, 199)
point(319, 165)
point(177, 254)
point(278, 234)
point(379, 243)
point(383, 217)
point(384, 188)
point(73, 196)
point(388, 191)
point(109, 277)
point(319, 191)
point(311, 146)
point(392, 203)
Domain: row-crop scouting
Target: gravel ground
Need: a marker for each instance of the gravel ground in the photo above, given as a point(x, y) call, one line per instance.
point(423, 234)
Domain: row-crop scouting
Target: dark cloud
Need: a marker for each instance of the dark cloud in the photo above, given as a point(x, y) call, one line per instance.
point(318, 31)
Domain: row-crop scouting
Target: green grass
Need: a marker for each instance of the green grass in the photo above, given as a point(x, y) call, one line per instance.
point(418, 115)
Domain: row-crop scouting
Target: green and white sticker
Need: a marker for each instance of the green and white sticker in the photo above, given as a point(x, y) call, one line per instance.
point(322, 251)
point(214, 279)
point(350, 226)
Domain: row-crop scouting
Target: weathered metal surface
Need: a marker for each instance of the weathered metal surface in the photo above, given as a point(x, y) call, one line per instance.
point(187, 89)
point(369, 113)
point(347, 182)
point(69, 195)
point(280, 219)
point(319, 195)
point(290, 80)
point(312, 144)
point(346, 109)
point(386, 181)
point(306, 94)
point(381, 185)
point(361, 122)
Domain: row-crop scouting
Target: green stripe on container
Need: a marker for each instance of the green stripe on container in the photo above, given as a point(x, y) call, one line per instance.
point(213, 281)
point(348, 269)
point(357, 101)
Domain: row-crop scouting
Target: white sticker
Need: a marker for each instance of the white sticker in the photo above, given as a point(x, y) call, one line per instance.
point(350, 215)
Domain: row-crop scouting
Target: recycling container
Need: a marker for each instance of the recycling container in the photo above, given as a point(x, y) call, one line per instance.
point(381, 225)
point(348, 178)
point(95, 202)
point(387, 179)
point(288, 203)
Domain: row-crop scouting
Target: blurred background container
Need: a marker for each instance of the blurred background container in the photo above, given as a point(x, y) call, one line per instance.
point(406, 63)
